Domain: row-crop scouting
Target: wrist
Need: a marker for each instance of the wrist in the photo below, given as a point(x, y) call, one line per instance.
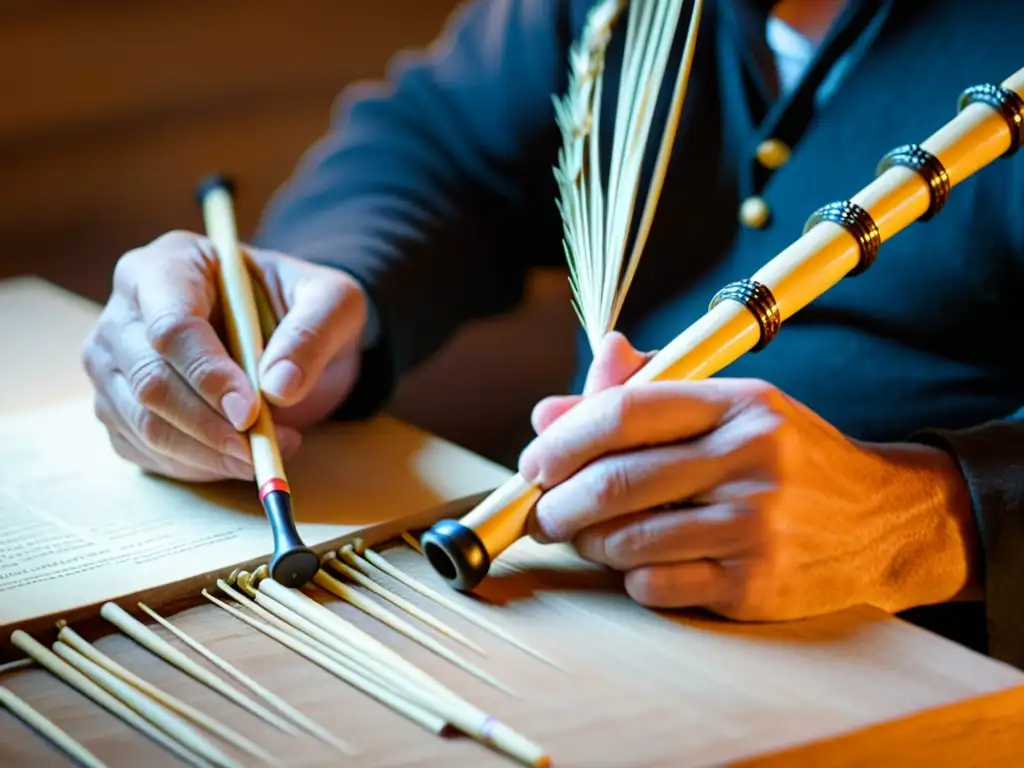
point(933, 554)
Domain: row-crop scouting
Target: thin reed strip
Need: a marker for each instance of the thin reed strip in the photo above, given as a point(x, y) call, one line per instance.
point(81, 683)
point(597, 220)
point(348, 647)
point(350, 570)
point(330, 584)
point(16, 666)
point(460, 713)
point(161, 718)
point(664, 155)
point(277, 614)
point(152, 642)
point(342, 671)
point(71, 638)
point(368, 560)
point(48, 729)
point(296, 716)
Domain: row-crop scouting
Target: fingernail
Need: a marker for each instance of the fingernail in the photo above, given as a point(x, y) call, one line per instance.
point(281, 380)
point(237, 409)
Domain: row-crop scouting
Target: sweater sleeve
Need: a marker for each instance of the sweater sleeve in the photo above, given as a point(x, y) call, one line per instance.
point(991, 458)
point(434, 188)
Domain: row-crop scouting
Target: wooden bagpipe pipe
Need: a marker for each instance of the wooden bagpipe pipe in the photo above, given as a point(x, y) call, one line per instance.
point(840, 239)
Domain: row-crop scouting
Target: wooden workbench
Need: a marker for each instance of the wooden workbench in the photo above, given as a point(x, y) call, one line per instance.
point(641, 688)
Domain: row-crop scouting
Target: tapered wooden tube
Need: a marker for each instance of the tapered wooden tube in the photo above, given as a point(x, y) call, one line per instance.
point(842, 239)
point(293, 563)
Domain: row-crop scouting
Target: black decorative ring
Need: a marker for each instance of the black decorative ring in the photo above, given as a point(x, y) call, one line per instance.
point(927, 166)
point(759, 300)
point(1008, 103)
point(858, 223)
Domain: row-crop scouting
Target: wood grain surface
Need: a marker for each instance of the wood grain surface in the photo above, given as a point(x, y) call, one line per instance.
point(983, 731)
point(642, 688)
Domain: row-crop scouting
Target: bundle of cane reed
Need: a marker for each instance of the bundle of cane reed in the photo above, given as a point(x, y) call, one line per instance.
point(597, 217)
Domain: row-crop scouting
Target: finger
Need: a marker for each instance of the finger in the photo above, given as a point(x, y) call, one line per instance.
point(700, 584)
point(549, 409)
point(155, 385)
point(325, 318)
point(129, 448)
point(669, 535)
point(614, 362)
point(620, 419)
point(626, 483)
point(176, 301)
point(164, 441)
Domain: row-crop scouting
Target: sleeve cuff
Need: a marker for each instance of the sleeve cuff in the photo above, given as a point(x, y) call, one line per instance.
point(991, 458)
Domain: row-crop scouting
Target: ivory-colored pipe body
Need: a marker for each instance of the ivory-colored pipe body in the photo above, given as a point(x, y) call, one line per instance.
point(461, 552)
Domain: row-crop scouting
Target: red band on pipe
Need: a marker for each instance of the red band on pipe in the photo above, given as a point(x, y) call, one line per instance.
point(274, 484)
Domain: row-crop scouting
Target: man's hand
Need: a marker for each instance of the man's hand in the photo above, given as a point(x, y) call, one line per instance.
point(173, 400)
point(727, 495)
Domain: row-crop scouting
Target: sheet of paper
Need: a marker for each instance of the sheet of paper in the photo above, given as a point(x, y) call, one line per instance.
point(42, 330)
point(80, 526)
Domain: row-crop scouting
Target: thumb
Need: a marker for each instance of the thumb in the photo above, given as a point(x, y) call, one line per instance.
point(325, 315)
point(614, 362)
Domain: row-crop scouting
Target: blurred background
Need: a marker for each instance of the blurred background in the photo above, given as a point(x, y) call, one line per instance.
point(113, 109)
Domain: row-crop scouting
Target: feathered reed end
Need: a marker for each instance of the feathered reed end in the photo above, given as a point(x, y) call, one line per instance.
point(596, 223)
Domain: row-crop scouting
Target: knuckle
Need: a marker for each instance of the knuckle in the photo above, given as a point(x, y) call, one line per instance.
point(623, 547)
point(165, 329)
point(748, 526)
point(308, 336)
point(176, 239)
point(124, 268)
point(611, 481)
point(773, 443)
point(101, 412)
point(205, 375)
point(120, 445)
point(760, 392)
point(149, 427)
point(150, 382)
point(739, 599)
point(642, 587)
point(91, 359)
point(620, 409)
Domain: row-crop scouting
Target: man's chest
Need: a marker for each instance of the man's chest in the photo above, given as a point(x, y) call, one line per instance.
point(924, 318)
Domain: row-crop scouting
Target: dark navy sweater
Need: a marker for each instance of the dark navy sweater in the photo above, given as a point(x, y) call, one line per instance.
point(436, 191)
